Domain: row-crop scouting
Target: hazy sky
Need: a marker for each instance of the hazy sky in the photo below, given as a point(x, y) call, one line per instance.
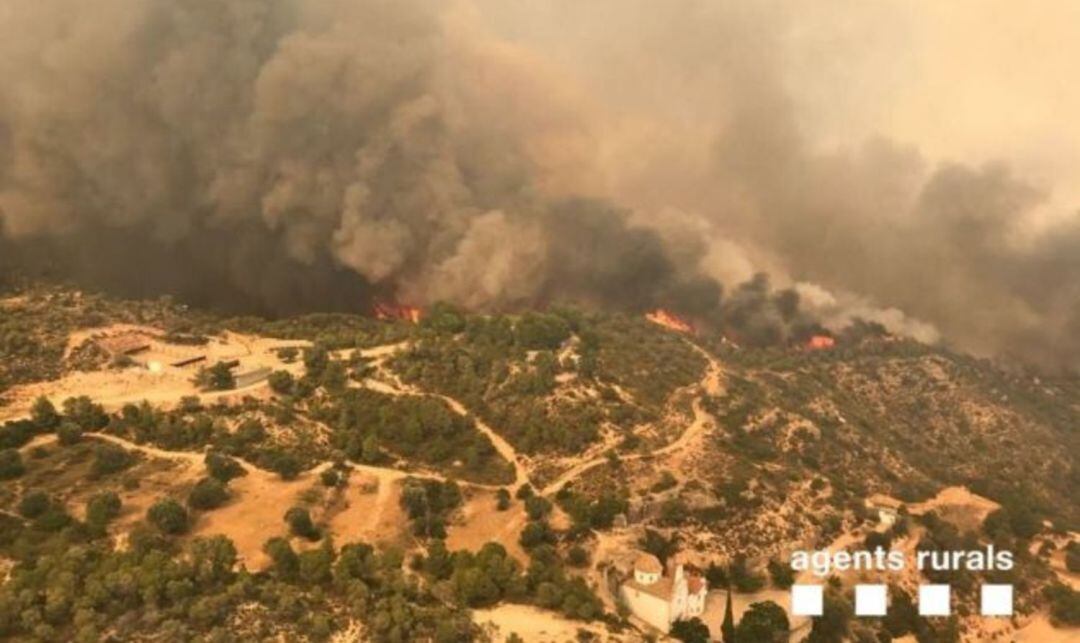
point(970, 80)
point(966, 80)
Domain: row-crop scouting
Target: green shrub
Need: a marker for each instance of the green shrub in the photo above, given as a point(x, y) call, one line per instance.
point(300, 524)
point(208, 493)
point(218, 377)
point(782, 575)
point(34, 504)
point(281, 382)
point(102, 508)
point(53, 520)
point(222, 467)
point(333, 477)
point(764, 621)
point(577, 556)
point(285, 465)
point(1072, 557)
point(110, 458)
point(11, 464)
point(169, 516)
point(537, 507)
point(44, 415)
point(68, 433)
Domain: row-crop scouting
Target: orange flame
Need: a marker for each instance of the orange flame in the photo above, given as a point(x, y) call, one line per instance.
point(390, 312)
point(669, 320)
point(820, 343)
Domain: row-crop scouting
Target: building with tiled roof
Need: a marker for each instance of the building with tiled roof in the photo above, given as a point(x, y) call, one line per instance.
point(661, 600)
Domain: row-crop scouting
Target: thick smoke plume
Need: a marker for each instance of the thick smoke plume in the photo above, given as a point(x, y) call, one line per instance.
point(284, 155)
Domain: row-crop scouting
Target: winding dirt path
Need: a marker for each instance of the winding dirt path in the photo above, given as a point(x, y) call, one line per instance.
point(390, 384)
point(710, 384)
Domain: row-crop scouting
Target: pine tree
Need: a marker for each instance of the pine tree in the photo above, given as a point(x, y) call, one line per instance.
point(728, 628)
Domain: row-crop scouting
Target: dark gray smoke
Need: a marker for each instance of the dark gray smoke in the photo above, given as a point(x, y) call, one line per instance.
point(296, 154)
point(284, 155)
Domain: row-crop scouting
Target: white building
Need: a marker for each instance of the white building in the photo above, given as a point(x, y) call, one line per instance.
point(886, 508)
point(661, 600)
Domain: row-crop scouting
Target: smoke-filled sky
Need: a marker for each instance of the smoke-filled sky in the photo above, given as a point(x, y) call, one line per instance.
point(915, 163)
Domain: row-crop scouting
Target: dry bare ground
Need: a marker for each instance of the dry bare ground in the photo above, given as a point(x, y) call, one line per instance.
point(959, 506)
point(371, 510)
point(113, 388)
point(534, 625)
point(256, 512)
point(480, 522)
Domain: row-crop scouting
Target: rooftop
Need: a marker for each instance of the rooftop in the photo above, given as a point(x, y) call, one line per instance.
point(662, 588)
point(648, 564)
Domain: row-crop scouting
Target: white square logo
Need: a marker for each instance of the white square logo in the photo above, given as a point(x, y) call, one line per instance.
point(870, 600)
point(997, 600)
point(934, 600)
point(806, 600)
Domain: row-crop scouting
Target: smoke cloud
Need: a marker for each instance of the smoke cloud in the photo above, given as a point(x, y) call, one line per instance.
point(286, 155)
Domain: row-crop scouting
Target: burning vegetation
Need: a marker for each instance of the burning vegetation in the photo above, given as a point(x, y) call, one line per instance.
point(392, 311)
point(669, 320)
point(820, 342)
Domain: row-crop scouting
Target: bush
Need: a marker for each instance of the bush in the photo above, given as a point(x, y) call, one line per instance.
point(16, 434)
point(743, 578)
point(286, 564)
point(1072, 557)
point(69, 433)
point(782, 575)
point(1064, 604)
point(53, 520)
point(330, 478)
point(537, 507)
point(169, 516)
point(536, 331)
point(502, 500)
point(102, 508)
point(285, 465)
point(692, 631)
point(208, 493)
point(765, 621)
point(44, 415)
point(83, 412)
point(222, 467)
point(877, 540)
point(218, 377)
point(536, 534)
point(577, 556)
point(300, 524)
point(524, 492)
point(109, 458)
point(281, 382)
point(34, 504)
point(11, 464)
point(1019, 520)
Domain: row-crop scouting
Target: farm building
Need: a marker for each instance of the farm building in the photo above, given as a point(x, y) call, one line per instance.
point(125, 344)
point(253, 376)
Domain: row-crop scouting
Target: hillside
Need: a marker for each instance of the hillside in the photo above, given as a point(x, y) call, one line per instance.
point(391, 477)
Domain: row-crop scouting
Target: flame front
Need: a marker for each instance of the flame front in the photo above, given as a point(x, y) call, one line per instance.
point(820, 342)
point(669, 320)
point(390, 311)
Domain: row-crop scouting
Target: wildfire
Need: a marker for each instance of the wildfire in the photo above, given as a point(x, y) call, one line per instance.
point(820, 343)
point(669, 320)
point(390, 311)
